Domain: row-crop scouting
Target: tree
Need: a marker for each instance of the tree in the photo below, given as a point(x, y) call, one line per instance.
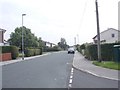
point(63, 43)
point(30, 40)
point(82, 46)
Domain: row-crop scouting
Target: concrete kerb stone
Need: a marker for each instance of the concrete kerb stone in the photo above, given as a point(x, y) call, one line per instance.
point(89, 72)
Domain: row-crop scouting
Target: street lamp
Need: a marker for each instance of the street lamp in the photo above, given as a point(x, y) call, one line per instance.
point(22, 39)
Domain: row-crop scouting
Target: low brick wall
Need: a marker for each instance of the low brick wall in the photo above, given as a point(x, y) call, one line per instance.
point(5, 57)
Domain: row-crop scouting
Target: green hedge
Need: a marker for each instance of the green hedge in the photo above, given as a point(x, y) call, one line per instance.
point(32, 52)
point(78, 48)
point(107, 52)
point(11, 49)
point(50, 49)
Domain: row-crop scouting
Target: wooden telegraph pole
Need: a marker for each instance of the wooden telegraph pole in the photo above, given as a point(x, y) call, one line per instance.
point(98, 33)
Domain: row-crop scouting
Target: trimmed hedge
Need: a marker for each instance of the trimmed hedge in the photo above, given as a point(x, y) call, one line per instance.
point(107, 52)
point(32, 52)
point(50, 49)
point(11, 49)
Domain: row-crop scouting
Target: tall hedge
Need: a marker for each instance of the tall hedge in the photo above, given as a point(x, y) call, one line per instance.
point(107, 51)
point(11, 49)
point(91, 52)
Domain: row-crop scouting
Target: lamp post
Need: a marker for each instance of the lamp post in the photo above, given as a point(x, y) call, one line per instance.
point(22, 39)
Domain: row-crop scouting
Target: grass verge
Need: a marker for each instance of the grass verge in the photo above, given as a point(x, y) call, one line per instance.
point(108, 64)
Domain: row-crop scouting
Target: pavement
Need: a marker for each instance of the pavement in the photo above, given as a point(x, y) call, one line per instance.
point(82, 64)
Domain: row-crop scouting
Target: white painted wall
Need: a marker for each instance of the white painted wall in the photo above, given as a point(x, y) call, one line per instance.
point(47, 44)
point(107, 36)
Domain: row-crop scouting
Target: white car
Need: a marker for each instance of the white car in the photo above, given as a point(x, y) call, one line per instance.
point(71, 50)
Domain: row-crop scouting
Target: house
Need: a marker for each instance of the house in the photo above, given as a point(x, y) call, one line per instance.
point(2, 41)
point(2, 31)
point(48, 44)
point(110, 35)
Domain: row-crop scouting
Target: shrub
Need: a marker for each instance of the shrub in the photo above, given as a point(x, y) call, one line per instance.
point(50, 49)
point(78, 48)
point(6, 49)
point(32, 52)
point(107, 52)
point(11, 49)
point(92, 52)
point(14, 52)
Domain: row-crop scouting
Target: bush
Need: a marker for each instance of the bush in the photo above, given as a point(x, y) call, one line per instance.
point(107, 52)
point(11, 49)
point(14, 52)
point(29, 52)
point(6, 49)
point(78, 48)
point(50, 49)
point(81, 48)
point(32, 52)
point(91, 52)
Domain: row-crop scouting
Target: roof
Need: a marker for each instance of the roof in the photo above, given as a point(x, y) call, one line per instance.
point(49, 42)
point(107, 30)
point(2, 30)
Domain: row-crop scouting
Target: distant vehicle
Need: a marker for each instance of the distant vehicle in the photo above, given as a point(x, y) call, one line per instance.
point(71, 50)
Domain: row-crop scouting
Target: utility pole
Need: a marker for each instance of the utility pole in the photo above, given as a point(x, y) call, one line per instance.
point(98, 33)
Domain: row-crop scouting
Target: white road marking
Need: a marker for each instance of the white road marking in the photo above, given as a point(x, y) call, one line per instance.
point(70, 81)
point(70, 85)
point(71, 78)
point(72, 71)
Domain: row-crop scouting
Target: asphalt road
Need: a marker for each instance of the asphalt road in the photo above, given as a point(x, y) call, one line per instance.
point(51, 71)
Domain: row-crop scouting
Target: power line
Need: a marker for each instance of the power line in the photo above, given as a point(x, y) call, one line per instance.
point(82, 17)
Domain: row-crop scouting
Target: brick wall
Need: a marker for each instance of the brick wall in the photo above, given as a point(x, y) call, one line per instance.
point(5, 57)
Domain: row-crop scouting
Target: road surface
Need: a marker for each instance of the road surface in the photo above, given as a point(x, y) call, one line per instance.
point(50, 71)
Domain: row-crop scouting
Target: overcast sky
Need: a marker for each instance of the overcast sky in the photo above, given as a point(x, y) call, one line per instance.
point(53, 19)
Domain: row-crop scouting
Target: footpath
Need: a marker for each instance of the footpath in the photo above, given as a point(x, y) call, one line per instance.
point(82, 64)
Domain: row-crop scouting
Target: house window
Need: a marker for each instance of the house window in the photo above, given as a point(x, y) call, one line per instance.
point(113, 35)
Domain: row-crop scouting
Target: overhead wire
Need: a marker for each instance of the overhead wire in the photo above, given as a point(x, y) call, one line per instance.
point(82, 18)
point(84, 10)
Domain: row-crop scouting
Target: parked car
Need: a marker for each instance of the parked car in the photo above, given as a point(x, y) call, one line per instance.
point(71, 50)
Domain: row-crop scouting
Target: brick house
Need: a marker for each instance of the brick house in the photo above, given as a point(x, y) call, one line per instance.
point(2, 41)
